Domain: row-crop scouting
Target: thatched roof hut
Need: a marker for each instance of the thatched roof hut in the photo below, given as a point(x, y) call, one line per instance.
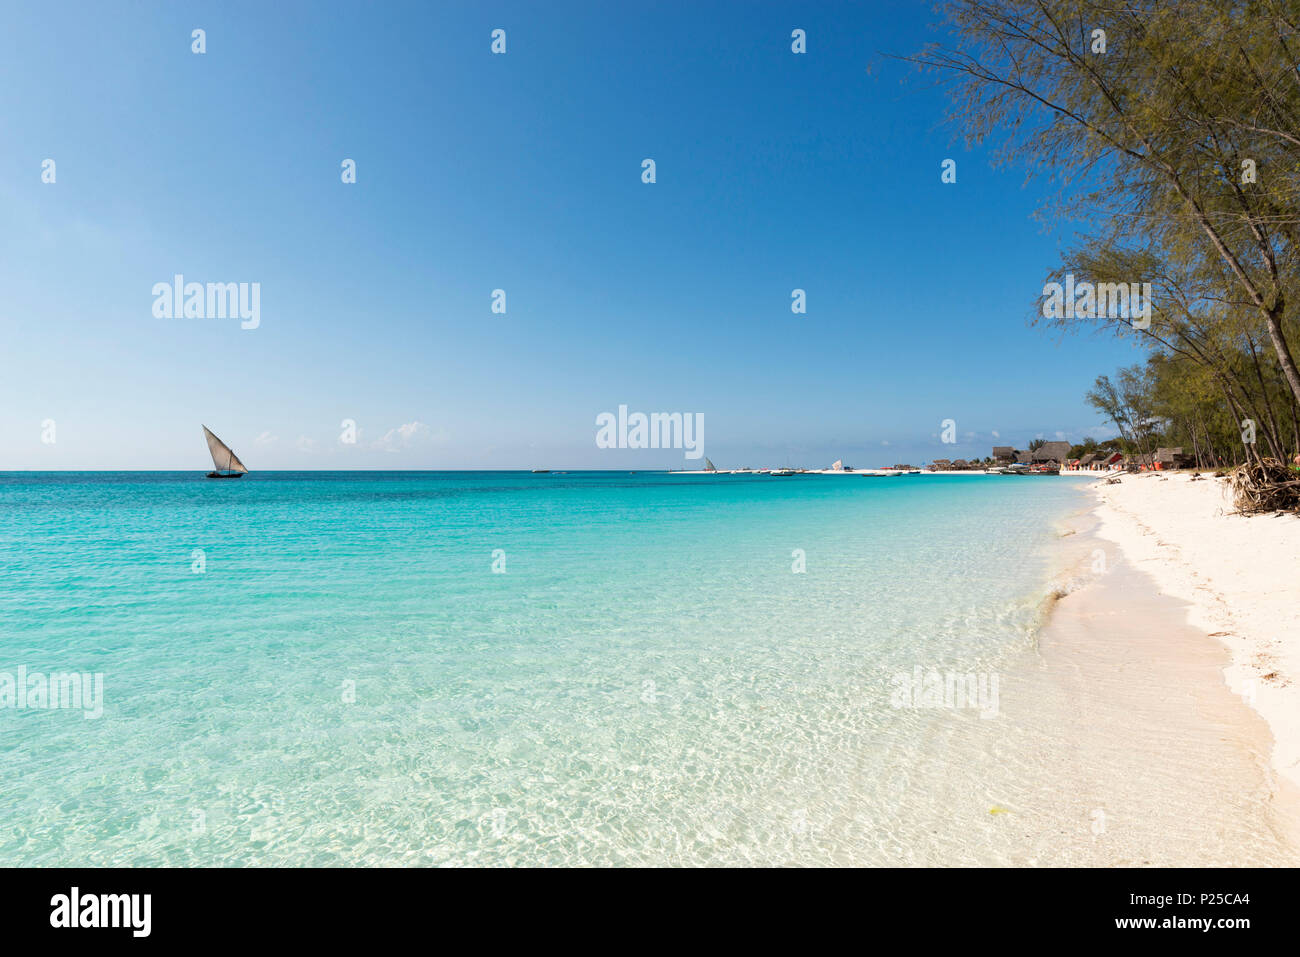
point(1051, 452)
point(1173, 458)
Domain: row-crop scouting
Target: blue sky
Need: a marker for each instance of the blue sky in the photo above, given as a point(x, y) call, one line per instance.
point(520, 172)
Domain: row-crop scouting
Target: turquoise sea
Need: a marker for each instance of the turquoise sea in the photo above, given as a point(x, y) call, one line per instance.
point(485, 668)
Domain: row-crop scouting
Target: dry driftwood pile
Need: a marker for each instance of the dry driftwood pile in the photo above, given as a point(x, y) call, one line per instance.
point(1266, 485)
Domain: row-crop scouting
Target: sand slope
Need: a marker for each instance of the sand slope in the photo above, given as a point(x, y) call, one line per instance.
point(1240, 576)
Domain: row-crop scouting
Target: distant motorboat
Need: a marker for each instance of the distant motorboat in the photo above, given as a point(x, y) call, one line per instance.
point(541, 471)
point(225, 462)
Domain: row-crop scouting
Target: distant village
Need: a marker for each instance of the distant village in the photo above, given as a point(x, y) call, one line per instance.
point(1089, 456)
point(1040, 458)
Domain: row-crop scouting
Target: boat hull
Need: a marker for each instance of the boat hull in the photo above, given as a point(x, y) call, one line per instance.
point(225, 475)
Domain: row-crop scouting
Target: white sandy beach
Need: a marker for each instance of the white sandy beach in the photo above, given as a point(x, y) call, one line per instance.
point(1239, 577)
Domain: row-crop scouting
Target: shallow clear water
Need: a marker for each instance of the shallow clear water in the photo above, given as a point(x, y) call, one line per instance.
point(347, 680)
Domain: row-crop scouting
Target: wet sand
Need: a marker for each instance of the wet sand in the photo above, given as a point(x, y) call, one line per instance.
point(1117, 743)
point(1239, 577)
point(1173, 766)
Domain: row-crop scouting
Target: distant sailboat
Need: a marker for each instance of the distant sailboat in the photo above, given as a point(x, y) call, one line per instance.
point(708, 465)
point(225, 463)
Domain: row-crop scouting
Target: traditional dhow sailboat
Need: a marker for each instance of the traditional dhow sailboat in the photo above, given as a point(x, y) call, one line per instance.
point(225, 463)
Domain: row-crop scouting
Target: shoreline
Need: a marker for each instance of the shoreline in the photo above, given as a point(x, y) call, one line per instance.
point(1238, 576)
point(1149, 697)
point(1116, 741)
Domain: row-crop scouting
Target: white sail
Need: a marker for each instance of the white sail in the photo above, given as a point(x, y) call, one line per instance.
point(223, 459)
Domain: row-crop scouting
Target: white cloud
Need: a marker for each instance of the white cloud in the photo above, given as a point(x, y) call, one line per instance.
point(266, 438)
point(305, 444)
point(408, 436)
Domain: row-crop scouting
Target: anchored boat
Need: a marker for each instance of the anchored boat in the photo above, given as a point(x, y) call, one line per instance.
point(225, 463)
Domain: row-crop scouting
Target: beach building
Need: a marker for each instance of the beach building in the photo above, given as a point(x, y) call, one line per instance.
point(1004, 455)
point(1051, 453)
point(1172, 458)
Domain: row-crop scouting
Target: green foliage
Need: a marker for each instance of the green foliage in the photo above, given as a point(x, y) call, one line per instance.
point(1177, 150)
